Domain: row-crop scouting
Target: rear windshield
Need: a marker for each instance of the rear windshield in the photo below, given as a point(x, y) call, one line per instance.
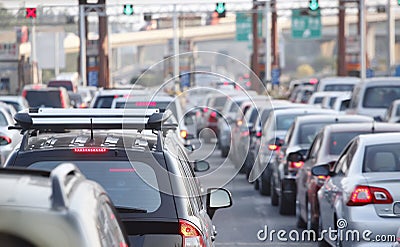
point(104, 101)
point(283, 122)
point(43, 98)
point(307, 132)
point(127, 183)
point(318, 100)
point(339, 87)
point(66, 84)
point(338, 141)
point(219, 102)
point(16, 106)
point(382, 158)
point(380, 96)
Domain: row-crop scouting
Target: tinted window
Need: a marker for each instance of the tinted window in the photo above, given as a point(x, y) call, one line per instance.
point(104, 102)
point(219, 102)
point(283, 122)
point(121, 181)
point(344, 105)
point(3, 120)
point(318, 100)
point(380, 97)
point(339, 87)
point(43, 98)
point(398, 110)
point(338, 141)
point(307, 132)
point(66, 84)
point(382, 158)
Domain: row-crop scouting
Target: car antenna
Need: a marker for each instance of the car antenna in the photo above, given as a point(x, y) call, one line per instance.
point(373, 127)
point(91, 130)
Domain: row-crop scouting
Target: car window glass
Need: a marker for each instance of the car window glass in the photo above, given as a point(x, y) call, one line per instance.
point(315, 146)
point(44, 98)
point(289, 134)
point(339, 87)
point(382, 158)
point(307, 132)
point(119, 178)
point(380, 96)
point(339, 140)
point(342, 161)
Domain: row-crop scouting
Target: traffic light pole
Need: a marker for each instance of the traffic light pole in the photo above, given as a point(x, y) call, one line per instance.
point(363, 34)
point(176, 49)
point(390, 37)
point(341, 57)
point(267, 44)
point(255, 64)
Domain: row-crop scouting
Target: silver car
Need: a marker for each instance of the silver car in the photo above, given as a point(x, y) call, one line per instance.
point(362, 197)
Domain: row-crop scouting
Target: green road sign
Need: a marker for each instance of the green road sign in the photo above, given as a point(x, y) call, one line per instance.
point(244, 26)
point(306, 24)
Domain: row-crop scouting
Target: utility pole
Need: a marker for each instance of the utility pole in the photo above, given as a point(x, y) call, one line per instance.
point(82, 38)
point(176, 49)
point(363, 35)
point(390, 25)
point(104, 74)
point(267, 44)
point(274, 37)
point(254, 57)
point(341, 56)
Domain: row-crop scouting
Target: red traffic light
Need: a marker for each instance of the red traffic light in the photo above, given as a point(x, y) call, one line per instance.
point(30, 13)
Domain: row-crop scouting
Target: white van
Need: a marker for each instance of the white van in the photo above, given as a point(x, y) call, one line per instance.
point(339, 83)
point(374, 96)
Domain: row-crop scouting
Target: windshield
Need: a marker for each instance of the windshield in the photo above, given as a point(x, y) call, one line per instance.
point(124, 181)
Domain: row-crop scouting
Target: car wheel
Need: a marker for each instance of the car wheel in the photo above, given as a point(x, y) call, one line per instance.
point(256, 185)
point(321, 242)
point(274, 195)
point(224, 151)
point(286, 207)
point(299, 221)
point(249, 164)
point(265, 185)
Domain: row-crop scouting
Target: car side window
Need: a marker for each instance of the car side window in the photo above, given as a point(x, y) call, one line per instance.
point(315, 146)
point(344, 161)
point(289, 134)
point(108, 225)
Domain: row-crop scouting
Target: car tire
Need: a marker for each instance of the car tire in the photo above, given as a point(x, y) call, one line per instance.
point(299, 221)
point(265, 185)
point(224, 151)
point(249, 164)
point(286, 207)
point(256, 185)
point(274, 195)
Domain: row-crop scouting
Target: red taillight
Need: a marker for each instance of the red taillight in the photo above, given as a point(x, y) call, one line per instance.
point(258, 134)
point(122, 244)
point(146, 104)
point(183, 134)
point(4, 140)
point(295, 165)
point(244, 133)
point(190, 234)
point(63, 104)
point(24, 93)
point(90, 150)
point(213, 114)
point(363, 195)
point(313, 81)
point(248, 84)
point(322, 177)
point(273, 147)
point(226, 83)
point(205, 109)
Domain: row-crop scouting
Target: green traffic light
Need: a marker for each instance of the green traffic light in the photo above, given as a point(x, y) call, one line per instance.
point(221, 8)
point(128, 9)
point(314, 5)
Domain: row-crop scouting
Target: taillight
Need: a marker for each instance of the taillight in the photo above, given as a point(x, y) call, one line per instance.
point(183, 134)
point(205, 109)
point(273, 147)
point(363, 195)
point(5, 140)
point(213, 114)
point(63, 104)
point(258, 134)
point(122, 244)
point(190, 235)
point(296, 165)
point(244, 133)
point(24, 93)
point(90, 150)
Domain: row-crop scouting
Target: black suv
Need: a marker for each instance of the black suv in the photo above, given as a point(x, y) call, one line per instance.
point(136, 157)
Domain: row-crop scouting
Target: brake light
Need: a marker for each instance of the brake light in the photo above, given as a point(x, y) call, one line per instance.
point(24, 93)
point(116, 96)
point(191, 236)
point(122, 244)
point(183, 134)
point(245, 133)
point(273, 147)
point(295, 165)
point(321, 177)
point(63, 104)
point(213, 114)
point(363, 195)
point(90, 150)
point(4, 140)
point(313, 81)
point(258, 134)
point(248, 84)
point(226, 83)
point(205, 109)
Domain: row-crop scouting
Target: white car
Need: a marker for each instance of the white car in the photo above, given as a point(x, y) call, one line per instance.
point(338, 83)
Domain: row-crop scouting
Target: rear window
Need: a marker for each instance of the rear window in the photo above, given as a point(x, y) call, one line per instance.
point(380, 96)
point(43, 98)
point(219, 102)
point(339, 140)
point(382, 158)
point(318, 100)
point(104, 101)
point(307, 132)
point(66, 84)
point(283, 122)
point(339, 87)
point(127, 183)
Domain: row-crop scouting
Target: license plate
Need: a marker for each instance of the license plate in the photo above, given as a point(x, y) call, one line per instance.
point(396, 208)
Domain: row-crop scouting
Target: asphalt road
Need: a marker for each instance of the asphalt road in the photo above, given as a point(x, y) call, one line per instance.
point(250, 213)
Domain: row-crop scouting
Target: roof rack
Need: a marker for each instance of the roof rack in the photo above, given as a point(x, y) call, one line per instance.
point(49, 119)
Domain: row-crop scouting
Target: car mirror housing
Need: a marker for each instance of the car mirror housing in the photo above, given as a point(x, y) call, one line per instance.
point(295, 157)
point(217, 198)
point(321, 170)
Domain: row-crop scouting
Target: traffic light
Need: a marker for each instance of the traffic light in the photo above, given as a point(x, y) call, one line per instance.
point(220, 9)
point(313, 5)
point(30, 13)
point(128, 9)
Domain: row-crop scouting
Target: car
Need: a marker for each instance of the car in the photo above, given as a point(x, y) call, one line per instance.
point(47, 97)
point(304, 94)
point(67, 84)
point(297, 142)
point(339, 83)
point(317, 97)
point(18, 102)
point(374, 96)
point(57, 208)
point(312, 81)
point(325, 149)
point(273, 133)
point(87, 94)
point(342, 102)
point(362, 189)
point(103, 98)
point(76, 100)
point(136, 157)
point(329, 100)
point(392, 114)
point(9, 138)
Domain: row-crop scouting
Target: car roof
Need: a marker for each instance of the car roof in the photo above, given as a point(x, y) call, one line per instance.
point(380, 138)
point(339, 80)
point(290, 111)
point(337, 117)
point(349, 127)
point(378, 81)
point(120, 91)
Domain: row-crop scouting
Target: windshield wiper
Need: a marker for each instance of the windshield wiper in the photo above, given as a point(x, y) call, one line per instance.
point(123, 209)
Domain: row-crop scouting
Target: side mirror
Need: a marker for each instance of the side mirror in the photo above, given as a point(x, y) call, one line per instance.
point(295, 157)
point(321, 170)
point(201, 166)
point(218, 198)
point(4, 140)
